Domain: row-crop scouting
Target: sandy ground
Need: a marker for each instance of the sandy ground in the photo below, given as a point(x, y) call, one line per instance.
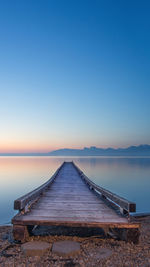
point(120, 252)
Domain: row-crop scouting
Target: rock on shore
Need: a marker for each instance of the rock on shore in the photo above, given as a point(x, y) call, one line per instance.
point(94, 251)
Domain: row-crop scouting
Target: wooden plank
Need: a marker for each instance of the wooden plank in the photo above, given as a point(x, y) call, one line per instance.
point(67, 200)
point(66, 194)
point(72, 198)
point(87, 222)
point(71, 213)
point(70, 210)
point(66, 205)
point(71, 218)
point(72, 206)
point(67, 189)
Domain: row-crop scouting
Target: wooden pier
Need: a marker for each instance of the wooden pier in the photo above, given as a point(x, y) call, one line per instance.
point(70, 198)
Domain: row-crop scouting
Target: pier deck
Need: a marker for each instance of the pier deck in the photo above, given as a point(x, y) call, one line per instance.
point(69, 198)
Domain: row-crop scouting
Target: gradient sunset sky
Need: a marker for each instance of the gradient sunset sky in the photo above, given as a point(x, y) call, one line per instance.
point(74, 73)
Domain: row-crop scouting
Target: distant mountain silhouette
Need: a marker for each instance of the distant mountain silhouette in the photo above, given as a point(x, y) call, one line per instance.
point(141, 150)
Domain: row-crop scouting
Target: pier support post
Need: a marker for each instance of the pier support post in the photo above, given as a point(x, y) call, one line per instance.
point(20, 232)
point(126, 234)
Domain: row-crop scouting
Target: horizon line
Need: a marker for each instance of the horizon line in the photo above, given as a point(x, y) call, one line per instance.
point(68, 148)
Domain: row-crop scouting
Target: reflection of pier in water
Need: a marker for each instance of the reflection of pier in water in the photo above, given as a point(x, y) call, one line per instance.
point(69, 198)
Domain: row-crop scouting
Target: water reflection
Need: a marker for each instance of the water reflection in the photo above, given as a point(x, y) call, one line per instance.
point(129, 177)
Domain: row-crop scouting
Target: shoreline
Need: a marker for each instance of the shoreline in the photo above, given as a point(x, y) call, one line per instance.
point(122, 253)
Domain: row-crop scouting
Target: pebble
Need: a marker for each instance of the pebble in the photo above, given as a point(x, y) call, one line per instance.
point(66, 247)
point(35, 248)
point(89, 255)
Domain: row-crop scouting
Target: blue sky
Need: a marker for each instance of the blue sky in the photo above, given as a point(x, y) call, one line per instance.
point(74, 74)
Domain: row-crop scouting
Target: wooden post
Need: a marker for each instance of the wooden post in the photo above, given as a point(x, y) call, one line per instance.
point(126, 234)
point(20, 232)
point(30, 228)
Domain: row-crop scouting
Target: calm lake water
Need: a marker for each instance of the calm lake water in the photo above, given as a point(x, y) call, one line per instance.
point(128, 177)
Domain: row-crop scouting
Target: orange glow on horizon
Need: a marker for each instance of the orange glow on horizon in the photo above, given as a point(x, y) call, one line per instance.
point(40, 146)
point(20, 147)
point(43, 149)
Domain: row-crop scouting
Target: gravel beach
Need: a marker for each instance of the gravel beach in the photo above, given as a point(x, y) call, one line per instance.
point(95, 250)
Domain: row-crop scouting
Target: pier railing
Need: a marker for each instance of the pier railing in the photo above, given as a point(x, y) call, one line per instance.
point(124, 205)
point(25, 201)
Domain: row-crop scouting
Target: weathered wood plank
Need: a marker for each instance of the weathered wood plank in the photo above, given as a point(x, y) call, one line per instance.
point(72, 213)
point(89, 222)
point(68, 195)
point(73, 198)
point(66, 201)
point(69, 206)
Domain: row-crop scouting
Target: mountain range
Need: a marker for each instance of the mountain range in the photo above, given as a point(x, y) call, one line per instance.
point(141, 150)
